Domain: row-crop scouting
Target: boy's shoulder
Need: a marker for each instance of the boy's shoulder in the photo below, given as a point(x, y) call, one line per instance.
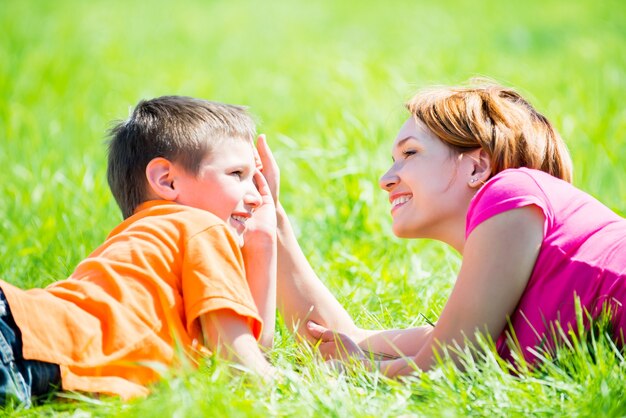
point(170, 218)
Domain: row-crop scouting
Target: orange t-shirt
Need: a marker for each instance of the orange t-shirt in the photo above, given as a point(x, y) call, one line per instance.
point(129, 308)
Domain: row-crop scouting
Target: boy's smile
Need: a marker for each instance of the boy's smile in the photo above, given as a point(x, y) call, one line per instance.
point(223, 186)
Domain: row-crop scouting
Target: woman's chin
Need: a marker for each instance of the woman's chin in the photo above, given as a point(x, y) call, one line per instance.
point(398, 231)
point(402, 232)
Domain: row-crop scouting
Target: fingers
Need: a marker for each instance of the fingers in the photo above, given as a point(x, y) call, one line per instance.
point(267, 164)
point(328, 341)
point(261, 184)
point(332, 344)
point(265, 154)
point(257, 158)
point(319, 332)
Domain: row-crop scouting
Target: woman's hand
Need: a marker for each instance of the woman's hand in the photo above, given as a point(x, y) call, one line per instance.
point(259, 256)
point(268, 166)
point(335, 345)
point(261, 227)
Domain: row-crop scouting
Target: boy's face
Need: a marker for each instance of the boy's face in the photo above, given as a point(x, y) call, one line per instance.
point(223, 186)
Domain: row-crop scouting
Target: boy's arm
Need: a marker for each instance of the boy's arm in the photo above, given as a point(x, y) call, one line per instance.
point(228, 335)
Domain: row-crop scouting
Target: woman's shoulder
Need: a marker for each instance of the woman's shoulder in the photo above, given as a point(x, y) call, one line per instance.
point(516, 183)
point(560, 201)
point(525, 177)
point(508, 190)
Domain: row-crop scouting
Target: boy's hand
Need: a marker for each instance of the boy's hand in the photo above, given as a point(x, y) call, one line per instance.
point(268, 166)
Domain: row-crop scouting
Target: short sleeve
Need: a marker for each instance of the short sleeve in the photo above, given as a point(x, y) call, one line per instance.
point(510, 189)
point(213, 278)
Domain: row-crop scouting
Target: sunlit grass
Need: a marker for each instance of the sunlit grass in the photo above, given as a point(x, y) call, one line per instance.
point(327, 81)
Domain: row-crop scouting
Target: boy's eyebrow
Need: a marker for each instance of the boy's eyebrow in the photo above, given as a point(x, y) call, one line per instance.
point(244, 166)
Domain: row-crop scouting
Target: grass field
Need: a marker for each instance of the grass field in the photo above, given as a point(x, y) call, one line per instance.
point(327, 81)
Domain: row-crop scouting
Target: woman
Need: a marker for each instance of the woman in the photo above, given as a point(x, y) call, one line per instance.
point(481, 170)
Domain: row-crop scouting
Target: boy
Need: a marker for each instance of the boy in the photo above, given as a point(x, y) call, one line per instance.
point(170, 277)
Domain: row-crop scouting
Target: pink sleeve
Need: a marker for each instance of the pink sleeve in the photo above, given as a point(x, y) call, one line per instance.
point(511, 189)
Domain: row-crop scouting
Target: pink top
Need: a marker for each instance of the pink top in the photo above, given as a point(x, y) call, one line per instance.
point(583, 252)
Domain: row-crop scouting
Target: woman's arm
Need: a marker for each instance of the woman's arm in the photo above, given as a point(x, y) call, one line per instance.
point(394, 343)
point(260, 263)
point(259, 255)
point(301, 294)
point(303, 297)
point(498, 259)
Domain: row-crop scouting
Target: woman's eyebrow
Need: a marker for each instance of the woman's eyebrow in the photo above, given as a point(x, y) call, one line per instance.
point(401, 142)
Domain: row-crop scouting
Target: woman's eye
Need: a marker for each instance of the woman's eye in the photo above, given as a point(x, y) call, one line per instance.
point(408, 153)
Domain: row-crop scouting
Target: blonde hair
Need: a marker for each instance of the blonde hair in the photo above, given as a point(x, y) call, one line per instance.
point(498, 120)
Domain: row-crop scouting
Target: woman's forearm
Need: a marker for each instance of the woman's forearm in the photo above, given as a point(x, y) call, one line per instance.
point(407, 364)
point(261, 274)
point(394, 343)
point(301, 295)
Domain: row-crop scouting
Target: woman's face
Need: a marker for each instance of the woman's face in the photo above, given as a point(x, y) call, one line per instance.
point(427, 185)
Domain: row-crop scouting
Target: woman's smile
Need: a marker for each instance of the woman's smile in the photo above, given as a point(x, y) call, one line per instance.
point(397, 201)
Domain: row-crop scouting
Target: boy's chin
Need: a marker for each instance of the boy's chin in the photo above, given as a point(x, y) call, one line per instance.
point(238, 237)
point(236, 233)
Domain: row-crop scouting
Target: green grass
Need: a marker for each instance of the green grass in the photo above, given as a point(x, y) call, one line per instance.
point(327, 80)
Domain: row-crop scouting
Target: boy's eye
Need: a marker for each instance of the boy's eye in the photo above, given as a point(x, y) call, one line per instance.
point(237, 173)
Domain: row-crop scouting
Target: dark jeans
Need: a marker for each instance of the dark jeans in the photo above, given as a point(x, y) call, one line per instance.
point(21, 380)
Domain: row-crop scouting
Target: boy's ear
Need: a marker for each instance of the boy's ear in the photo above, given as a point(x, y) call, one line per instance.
point(481, 168)
point(160, 175)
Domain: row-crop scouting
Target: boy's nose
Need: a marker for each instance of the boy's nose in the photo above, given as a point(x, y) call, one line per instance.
point(388, 180)
point(253, 198)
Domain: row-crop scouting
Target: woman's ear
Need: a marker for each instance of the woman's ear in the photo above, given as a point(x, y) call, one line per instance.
point(159, 173)
point(481, 168)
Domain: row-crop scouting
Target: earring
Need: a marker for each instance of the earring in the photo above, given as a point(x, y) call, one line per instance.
point(473, 180)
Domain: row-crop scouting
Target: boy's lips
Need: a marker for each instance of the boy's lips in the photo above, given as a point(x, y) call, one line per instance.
point(238, 220)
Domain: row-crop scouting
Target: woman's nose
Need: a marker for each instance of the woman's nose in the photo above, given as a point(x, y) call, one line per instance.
point(388, 180)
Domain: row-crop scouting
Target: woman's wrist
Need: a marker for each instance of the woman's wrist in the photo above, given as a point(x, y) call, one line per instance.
point(281, 215)
point(264, 247)
point(261, 238)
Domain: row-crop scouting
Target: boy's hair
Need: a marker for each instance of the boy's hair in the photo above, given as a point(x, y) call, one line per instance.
point(180, 129)
point(498, 120)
